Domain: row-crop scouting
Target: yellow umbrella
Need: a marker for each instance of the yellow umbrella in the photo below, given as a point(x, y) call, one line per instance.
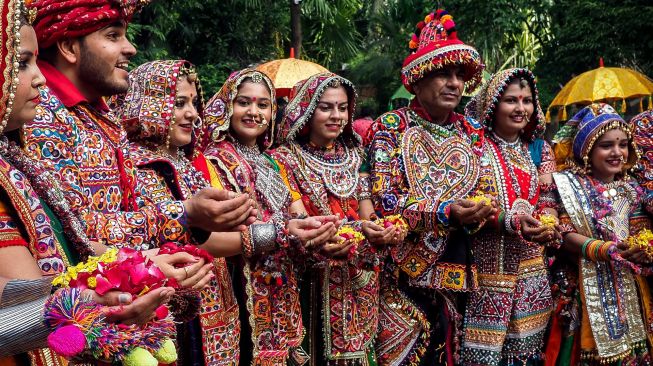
point(285, 73)
point(603, 84)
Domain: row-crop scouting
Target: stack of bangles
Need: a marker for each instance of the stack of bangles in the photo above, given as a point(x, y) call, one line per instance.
point(597, 250)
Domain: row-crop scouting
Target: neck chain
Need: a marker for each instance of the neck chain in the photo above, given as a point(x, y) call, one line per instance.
point(251, 153)
point(505, 143)
point(516, 153)
point(328, 147)
point(180, 162)
point(337, 171)
point(445, 131)
point(269, 185)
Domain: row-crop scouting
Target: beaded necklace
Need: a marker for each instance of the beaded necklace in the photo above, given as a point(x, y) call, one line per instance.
point(516, 153)
point(338, 170)
point(270, 187)
point(445, 131)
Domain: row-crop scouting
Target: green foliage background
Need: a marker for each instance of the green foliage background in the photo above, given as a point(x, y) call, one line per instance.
point(366, 40)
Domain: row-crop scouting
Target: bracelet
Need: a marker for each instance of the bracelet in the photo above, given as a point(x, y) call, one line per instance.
point(246, 242)
point(364, 192)
point(597, 250)
point(263, 237)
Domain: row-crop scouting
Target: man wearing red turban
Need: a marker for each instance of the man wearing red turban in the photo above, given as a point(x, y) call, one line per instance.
point(85, 54)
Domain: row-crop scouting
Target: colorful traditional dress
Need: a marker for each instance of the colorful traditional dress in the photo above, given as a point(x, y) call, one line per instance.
point(341, 298)
point(506, 318)
point(418, 169)
point(603, 308)
point(33, 211)
point(85, 147)
point(147, 113)
point(268, 290)
point(643, 171)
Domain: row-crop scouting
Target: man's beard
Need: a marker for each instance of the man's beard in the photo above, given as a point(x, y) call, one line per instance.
point(94, 71)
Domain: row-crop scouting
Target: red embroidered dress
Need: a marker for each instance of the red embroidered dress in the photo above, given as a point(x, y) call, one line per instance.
point(147, 112)
point(506, 318)
point(342, 297)
point(269, 282)
point(86, 148)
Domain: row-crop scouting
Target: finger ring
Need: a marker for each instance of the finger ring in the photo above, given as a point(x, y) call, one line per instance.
point(186, 271)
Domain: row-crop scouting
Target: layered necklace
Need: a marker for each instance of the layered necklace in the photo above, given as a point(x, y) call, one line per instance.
point(516, 153)
point(338, 170)
point(268, 182)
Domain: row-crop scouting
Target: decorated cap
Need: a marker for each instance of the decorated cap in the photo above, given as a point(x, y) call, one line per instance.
point(60, 19)
point(581, 132)
point(482, 107)
point(220, 108)
point(435, 45)
point(147, 110)
point(304, 97)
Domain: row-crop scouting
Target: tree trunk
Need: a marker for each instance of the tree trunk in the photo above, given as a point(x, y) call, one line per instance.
point(296, 26)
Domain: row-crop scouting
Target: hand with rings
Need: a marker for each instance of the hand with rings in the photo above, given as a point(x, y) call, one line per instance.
point(186, 269)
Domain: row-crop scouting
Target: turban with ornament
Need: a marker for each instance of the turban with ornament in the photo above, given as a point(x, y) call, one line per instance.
point(61, 19)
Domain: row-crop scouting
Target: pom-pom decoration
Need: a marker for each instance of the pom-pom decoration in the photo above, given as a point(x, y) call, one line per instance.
point(82, 334)
point(80, 330)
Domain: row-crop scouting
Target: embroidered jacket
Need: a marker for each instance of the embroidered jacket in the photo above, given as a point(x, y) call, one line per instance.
point(86, 148)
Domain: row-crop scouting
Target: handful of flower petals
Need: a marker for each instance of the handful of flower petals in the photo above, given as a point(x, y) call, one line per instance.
point(80, 330)
point(642, 240)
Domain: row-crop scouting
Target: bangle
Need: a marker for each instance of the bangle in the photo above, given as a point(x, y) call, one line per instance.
point(583, 248)
point(246, 242)
point(263, 237)
point(597, 250)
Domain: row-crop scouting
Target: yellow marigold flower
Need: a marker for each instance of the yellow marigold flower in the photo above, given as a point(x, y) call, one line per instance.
point(480, 197)
point(548, 220)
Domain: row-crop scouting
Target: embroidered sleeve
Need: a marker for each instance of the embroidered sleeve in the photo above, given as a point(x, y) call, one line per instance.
point(390, 191)
point(10, 234)
point(55, 139)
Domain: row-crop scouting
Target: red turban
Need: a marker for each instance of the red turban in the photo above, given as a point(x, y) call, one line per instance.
point(60, 19)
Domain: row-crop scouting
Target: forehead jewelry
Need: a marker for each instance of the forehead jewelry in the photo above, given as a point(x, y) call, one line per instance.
point(257, 77)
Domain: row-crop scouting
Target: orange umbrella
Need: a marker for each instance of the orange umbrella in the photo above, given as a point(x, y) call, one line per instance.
point(285, 73)
point(603, 84)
